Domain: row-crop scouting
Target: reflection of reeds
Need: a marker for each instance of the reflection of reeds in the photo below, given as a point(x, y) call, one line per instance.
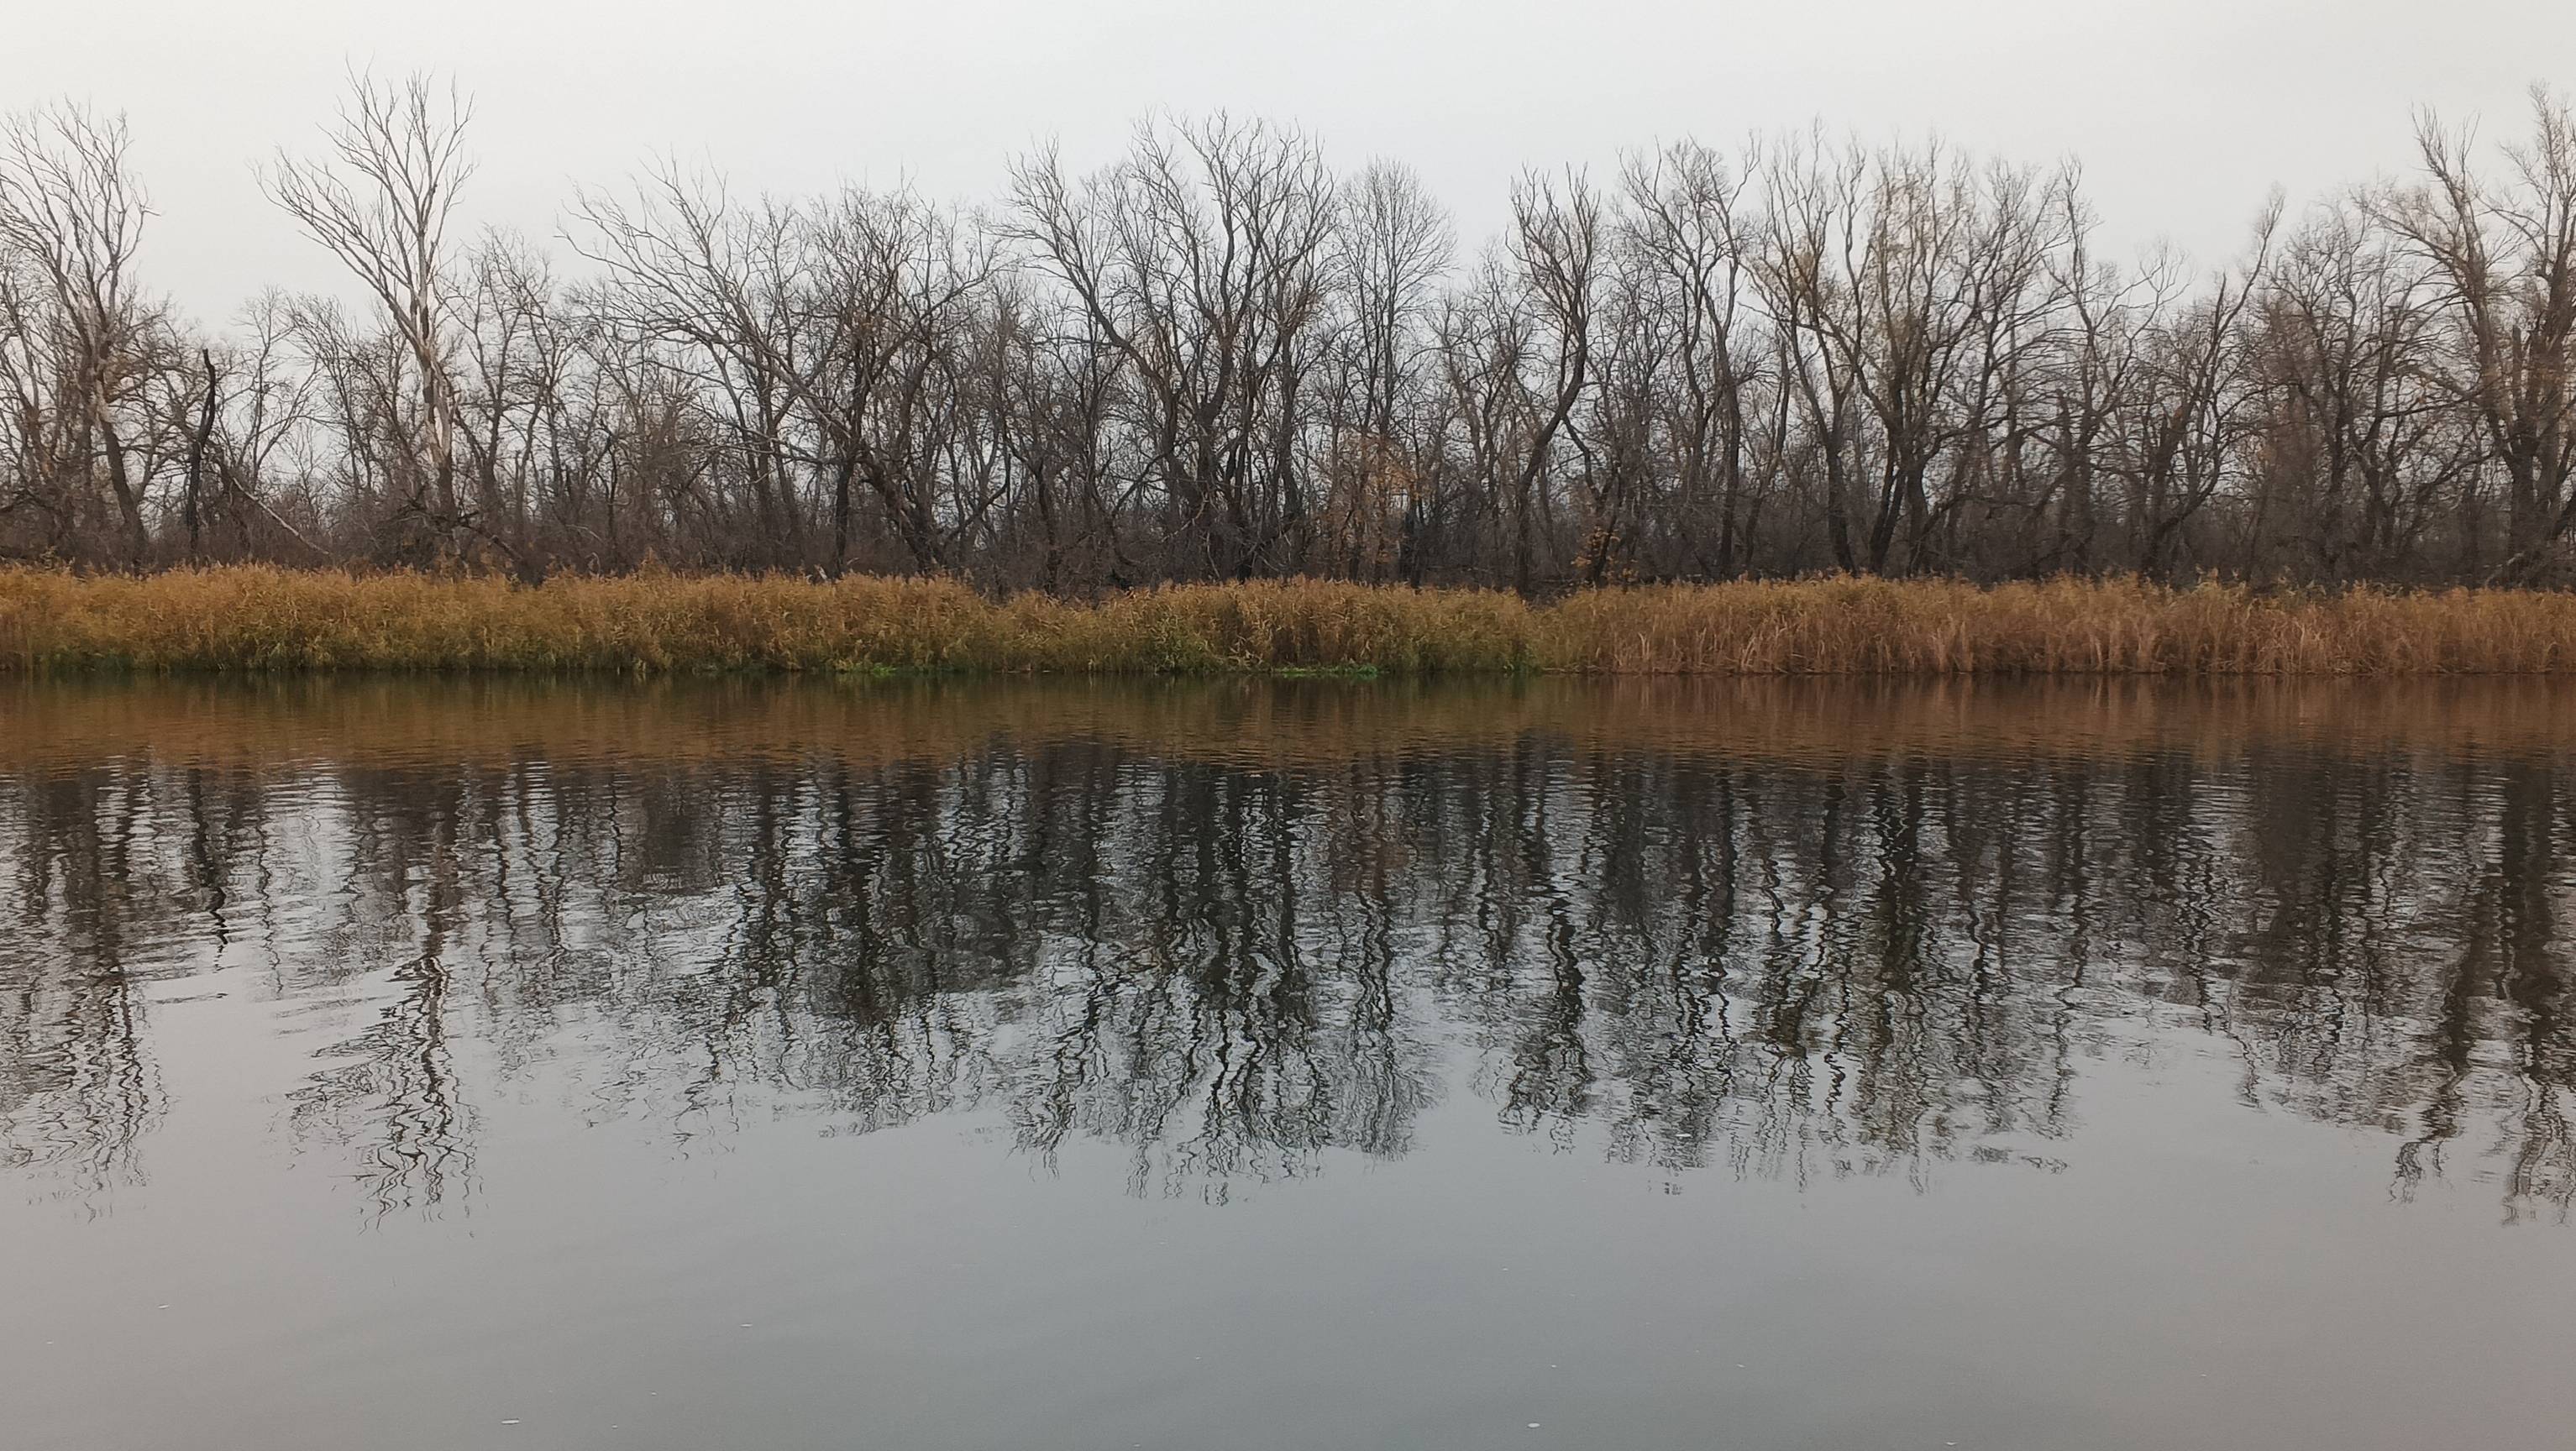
point(388, 720)
point(257, 618)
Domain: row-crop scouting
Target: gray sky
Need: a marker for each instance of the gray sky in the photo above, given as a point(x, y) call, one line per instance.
point(2184, 112)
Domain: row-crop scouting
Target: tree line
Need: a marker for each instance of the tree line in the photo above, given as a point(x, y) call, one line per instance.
point(1219, 357)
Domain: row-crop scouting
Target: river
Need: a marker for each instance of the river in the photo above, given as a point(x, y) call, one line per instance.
point(1240, 1064)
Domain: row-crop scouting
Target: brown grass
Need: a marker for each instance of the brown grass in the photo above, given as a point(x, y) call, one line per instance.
point(262, 619)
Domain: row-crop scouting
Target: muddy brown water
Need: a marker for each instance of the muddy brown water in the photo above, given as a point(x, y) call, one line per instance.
point(1244, 1065)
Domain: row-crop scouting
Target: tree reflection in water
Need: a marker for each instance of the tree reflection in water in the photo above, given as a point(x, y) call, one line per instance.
point(1863, 959)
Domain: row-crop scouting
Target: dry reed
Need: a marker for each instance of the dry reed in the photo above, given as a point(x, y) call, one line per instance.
point(263, 619)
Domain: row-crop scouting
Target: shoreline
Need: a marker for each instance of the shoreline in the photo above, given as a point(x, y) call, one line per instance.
point(263, 620)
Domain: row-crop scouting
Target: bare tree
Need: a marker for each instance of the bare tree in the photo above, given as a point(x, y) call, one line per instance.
point(71, 219)
point(1687, 244)
point(1555, 247)
point(1392, 244)
point(725, 285)
point(1205, 260)
point(2505, 255)
point(380, 199)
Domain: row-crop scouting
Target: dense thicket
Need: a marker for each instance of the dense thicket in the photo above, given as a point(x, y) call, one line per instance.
point(1220, 358)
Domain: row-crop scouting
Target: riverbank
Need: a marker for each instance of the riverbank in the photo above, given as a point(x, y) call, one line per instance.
point(259, 619)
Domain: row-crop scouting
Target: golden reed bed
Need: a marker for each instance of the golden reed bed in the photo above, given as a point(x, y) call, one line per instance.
point(262, 619)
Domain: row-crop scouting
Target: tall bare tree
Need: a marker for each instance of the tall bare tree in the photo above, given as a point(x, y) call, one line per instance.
point(379, 198)
point(71, 220)
point(2505, 255)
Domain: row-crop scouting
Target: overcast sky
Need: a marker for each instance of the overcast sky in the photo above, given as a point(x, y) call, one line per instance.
point(2184, 112)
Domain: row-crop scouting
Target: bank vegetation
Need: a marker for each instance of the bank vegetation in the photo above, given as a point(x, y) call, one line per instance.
point(264, 618)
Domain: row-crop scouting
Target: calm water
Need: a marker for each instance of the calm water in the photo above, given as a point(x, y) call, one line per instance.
point(1246, 1066)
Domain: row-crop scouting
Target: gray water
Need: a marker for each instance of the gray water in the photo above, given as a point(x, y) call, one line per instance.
point(1245, 1066)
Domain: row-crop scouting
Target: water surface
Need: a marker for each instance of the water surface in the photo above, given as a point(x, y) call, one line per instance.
point(1244, 1065)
